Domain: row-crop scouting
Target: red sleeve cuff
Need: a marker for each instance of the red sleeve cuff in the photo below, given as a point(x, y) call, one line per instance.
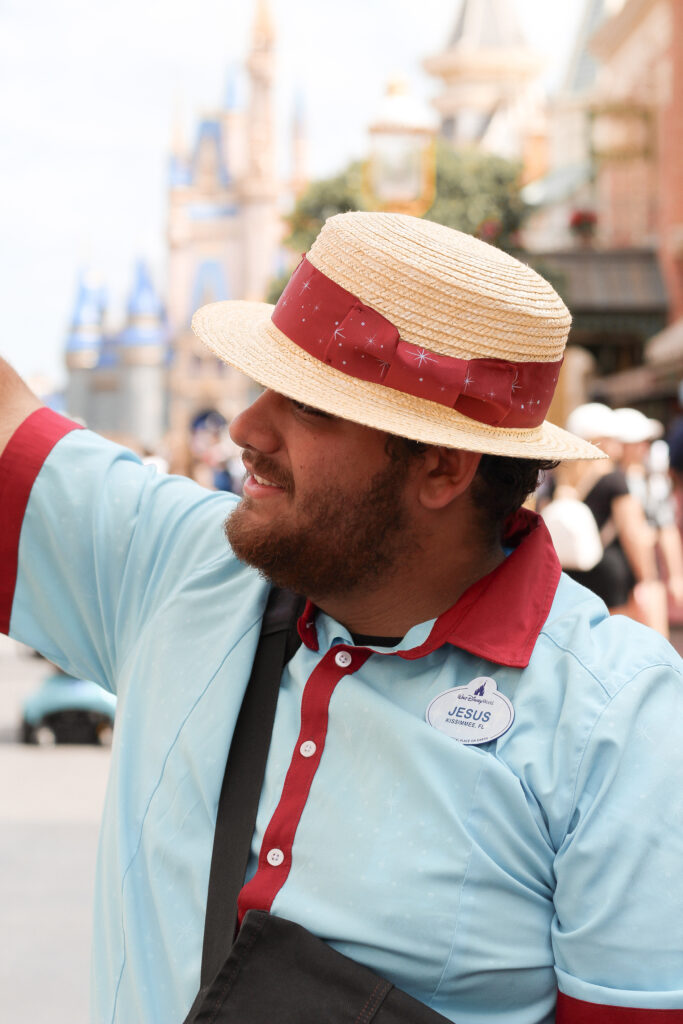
point(575, 1011)
point(20, 464)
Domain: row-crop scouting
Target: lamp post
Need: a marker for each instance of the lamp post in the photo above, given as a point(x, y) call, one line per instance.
point(400, 173)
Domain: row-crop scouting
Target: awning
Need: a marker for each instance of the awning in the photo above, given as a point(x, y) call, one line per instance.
point(608, 287)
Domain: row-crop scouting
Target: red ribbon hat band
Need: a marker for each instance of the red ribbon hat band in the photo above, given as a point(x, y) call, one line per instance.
point(333, 325)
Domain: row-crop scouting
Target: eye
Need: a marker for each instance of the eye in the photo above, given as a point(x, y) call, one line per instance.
point(308, 410)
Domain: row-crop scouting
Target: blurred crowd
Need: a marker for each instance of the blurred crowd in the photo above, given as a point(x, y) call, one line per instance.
point(617, 522)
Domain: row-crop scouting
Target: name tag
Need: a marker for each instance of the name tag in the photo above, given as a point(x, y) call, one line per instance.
point(476, 713)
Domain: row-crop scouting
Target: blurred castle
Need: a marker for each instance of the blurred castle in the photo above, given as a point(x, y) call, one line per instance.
point(490, 93)
point(224, 235)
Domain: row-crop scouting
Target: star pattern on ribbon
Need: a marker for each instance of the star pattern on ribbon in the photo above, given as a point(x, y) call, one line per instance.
point(339, 329)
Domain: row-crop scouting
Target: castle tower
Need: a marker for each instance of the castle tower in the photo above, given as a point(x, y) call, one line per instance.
point(233, 129)
point(299, 150)
point(224, 231)
point(259, 190)
point(83, 346)
point(179, 154)
point(261, 68)
point(486, 70)
point(142, 360)
point(202, 222)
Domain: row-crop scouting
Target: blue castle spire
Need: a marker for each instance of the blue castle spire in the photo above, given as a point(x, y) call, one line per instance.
point(179, 172)
point(209, 149)
point(85, 330)
point(146, 323)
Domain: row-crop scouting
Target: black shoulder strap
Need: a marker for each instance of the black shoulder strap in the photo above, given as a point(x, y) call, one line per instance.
point(243, 777)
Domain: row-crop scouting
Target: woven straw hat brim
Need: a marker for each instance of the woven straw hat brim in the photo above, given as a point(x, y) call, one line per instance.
point(243, 335)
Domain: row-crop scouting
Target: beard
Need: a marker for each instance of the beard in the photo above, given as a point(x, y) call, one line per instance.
point(343, 539)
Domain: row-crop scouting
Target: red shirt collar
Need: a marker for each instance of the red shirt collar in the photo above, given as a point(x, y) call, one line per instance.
point(500, 616)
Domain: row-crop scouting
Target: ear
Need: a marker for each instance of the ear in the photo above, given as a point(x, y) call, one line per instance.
point(446, 474)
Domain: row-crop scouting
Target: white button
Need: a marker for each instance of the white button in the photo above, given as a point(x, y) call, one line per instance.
point(275, 857)
point(343, 659)
point(308, 748)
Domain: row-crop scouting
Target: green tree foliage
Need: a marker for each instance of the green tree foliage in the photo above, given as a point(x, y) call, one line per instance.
point(322, 199)
point(475, 192)
point(276, 286)
point(478, 193)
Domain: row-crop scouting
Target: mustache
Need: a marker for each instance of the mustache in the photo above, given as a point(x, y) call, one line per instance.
point(261, 465)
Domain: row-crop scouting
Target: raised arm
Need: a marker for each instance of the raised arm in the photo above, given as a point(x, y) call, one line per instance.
point(16, 402)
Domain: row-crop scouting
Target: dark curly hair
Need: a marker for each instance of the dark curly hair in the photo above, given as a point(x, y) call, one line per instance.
point(500, 486)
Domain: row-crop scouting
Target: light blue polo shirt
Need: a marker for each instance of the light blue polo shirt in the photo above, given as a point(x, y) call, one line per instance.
point(477, 877)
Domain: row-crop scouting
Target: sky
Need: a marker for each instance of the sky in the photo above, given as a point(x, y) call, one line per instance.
point(90, 91)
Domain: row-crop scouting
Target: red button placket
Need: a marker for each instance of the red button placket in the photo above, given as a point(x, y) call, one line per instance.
point(275, 857)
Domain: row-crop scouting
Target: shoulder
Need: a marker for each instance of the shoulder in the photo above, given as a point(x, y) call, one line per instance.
point(607, 651)
point(592, 678)
point(74, 464)
point(95, 504)
point(614, 484)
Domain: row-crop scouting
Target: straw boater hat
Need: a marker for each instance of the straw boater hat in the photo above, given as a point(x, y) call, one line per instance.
point(412, 328)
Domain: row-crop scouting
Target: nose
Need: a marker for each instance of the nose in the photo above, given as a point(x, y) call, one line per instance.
point(257, 426)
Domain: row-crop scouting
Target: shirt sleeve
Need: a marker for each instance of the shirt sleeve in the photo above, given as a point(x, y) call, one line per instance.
point(93, 543)
point(608, 488)
point(618, 927)
point(616, 485)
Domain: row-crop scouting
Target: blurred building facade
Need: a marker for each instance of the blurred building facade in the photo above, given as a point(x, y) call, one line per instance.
point(607, 216)
point(224, 242)
point(637, 145)
point(637, 136)
point(490, 96)
point(568, 182)
point(602, 169)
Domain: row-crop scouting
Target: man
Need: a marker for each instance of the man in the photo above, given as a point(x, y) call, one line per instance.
point(474, 785)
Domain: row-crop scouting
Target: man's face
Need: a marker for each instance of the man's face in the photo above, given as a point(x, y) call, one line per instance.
point(324, 507)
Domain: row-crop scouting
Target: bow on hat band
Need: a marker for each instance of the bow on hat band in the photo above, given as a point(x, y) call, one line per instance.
point(333, 325)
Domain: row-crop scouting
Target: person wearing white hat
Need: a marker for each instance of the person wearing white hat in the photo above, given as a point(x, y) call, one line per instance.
point(638, 434)
point(631, 426)
point(472, 787)
point(593, 421)
point(626, 556)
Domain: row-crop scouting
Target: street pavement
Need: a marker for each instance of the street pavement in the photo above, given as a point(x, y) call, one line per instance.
point(50, 803)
